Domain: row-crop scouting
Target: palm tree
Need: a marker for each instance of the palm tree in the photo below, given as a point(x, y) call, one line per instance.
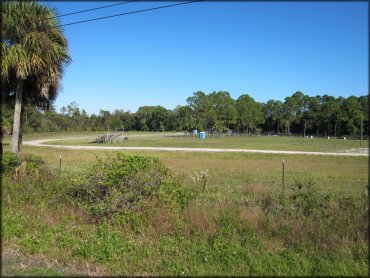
point(34, 55)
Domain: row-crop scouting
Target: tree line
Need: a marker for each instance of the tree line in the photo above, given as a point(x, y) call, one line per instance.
point(216, 112)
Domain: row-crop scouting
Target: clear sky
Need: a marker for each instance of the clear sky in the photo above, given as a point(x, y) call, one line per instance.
point(268, 50)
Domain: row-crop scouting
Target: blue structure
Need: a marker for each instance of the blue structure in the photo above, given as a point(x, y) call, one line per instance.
point(202, 135)
point(195, 132)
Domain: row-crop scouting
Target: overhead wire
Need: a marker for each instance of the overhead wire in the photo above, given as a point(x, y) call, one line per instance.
point(127, 13)
point(97, 8)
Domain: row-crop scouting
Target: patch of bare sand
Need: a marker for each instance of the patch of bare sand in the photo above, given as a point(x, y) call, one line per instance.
point(358, 150)
point(15, 262)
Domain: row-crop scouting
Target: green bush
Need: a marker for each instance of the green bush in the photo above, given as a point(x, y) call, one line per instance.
point(119, 183)
point(305, 197)
point(9, 162)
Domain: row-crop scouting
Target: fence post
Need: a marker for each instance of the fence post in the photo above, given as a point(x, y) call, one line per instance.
point(60, 164)
point(283, 178)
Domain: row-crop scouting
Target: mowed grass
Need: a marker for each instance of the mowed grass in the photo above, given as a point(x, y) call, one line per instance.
point(227, 142)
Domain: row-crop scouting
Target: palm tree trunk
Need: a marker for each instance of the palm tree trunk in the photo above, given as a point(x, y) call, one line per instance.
point(17, 117)
point(21, 130)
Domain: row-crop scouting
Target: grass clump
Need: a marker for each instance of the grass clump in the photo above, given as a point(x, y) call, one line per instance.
point(33, 162)
point(104, 245)
point(306, 218)
point(119, 184)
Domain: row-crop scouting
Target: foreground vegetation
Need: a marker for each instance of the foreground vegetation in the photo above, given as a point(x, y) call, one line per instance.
point(201, 214)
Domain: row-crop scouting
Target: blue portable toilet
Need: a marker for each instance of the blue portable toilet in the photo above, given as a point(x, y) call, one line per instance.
point(202, 135)
point(195, 132)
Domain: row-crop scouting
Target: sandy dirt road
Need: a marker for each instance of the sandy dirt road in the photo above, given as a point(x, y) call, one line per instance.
point(41, 143)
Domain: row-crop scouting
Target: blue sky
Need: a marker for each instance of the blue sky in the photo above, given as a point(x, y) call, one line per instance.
point(268, 50)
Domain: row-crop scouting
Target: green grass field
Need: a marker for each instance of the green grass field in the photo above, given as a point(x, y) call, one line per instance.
point(208, 237)
point(228, 142)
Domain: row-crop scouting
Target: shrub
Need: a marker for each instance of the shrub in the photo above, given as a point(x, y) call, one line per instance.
point(305, 198)
point(120, 183)
point(9, 162)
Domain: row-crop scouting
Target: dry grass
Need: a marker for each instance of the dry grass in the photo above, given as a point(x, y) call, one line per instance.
point(163, 221)
point(252, 215)
point(256, 189)
point(200, 219)
point(18, 263)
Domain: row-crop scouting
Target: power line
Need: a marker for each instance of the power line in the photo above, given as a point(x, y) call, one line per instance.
point(133, 12)
point(98, 8)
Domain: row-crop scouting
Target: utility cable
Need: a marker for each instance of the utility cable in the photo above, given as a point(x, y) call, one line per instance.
point(98, 8)
point(127, 13)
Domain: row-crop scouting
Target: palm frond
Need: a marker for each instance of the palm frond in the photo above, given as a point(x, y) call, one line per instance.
point(33, 49)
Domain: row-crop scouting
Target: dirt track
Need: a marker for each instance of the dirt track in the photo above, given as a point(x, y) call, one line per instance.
point(40, 143)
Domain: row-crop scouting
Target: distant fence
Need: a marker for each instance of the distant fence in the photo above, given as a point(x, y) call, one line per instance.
point(281, 134)
point(109, 138)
